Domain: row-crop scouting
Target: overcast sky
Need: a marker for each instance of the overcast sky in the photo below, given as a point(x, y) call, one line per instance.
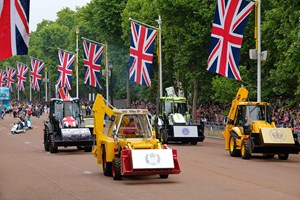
point(47, 9)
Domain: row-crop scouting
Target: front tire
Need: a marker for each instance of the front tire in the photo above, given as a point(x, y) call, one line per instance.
point(88, 148)
point(232, 148)
point(163, 176)
point(245, 150)
point(116, 169)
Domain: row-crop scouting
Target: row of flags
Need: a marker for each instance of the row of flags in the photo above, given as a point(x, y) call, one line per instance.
point(7, 77)
point(226, 39)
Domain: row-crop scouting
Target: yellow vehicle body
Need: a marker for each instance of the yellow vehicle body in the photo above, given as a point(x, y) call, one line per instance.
point(249, 129)
point(117, 144)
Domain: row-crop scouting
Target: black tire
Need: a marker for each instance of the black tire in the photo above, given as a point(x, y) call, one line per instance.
point(283, 156)
point(52, 147)
point(245, 149)
point(193, 142)
point(46, 140)
point(88, 148)
point(232, 148)
point(116, 169)
point(107, 168)
point(163, 176)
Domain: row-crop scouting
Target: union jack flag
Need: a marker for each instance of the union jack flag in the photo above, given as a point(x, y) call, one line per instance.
point(10, 77)
point(65, 69)
point(141, 54)
point(36, 74)
point(2, 78)
point(231, 17)
point(64, 93)
point(14, 27)
point(21, 76)
point(92, 63)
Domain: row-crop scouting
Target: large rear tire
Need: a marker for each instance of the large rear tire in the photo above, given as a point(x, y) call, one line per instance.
point(46, 139)
point(245, 150)
point(284, 156)
point(232, 148)
point(106, 165)
point(116, 169)
point(52, 147)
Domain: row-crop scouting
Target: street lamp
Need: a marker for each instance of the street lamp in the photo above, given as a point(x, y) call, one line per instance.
point(110, 66)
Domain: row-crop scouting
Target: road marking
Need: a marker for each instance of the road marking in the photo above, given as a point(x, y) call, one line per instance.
point(27, 142)
point(87, 172)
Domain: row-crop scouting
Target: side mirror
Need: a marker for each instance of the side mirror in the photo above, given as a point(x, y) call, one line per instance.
point(226, 119)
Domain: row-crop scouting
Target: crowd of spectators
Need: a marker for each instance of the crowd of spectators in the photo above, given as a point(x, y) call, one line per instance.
point(214, 113)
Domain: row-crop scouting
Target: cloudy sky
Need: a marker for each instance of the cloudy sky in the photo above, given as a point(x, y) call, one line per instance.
point(47, 9)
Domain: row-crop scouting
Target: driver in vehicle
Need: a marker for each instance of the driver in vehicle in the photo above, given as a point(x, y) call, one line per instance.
point(131, 129)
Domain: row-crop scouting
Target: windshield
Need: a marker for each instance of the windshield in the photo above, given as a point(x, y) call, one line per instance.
point(71, 109)
point(171, 107)
point(255, 113)
point(135, 126)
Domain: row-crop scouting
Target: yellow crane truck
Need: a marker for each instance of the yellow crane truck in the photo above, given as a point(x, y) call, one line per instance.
point(249, 129)
point(126, 144)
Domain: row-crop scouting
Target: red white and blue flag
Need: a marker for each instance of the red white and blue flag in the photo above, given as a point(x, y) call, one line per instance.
point(141, 54)
point(10, 77)
point(14, 28)
point(2, 78)
point(36, 74)
point(92, 63)
point(231, 17)
point(65, 69)
point(21, 76)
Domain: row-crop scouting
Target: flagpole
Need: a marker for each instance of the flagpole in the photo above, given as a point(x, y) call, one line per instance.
point(46, 83)
point(106, 72)
point(258, 51)
point(77, 89)
point(160, 57)
point(18, 95)
point(30, 88)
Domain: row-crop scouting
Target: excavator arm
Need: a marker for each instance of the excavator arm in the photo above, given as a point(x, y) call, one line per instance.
point(101, 108)
point(241, 96)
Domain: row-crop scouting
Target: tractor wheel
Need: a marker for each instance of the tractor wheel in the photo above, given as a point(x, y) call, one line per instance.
point(232, 148)
point(245, 150)
point(106, 165)
point(52, 147)
point(88, 148)
point(164, 136)
point(284, 156)
point(116, 169)
point(163, 176)
point(46, 139)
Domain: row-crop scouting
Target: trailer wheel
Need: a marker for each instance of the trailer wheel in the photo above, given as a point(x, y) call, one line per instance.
point(106, 165)
point(284, 156)
point(116, 169)
point(193, 142)
point(52, 147)
point(163, 176)
point(245, 150)
point(46, 139)
point(232, 148)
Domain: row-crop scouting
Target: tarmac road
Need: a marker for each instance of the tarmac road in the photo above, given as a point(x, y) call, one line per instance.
point(208, 172)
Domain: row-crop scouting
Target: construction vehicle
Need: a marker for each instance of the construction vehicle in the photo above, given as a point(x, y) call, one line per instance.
point(64, 127)
point(129, 150)
point(172, 123)
point(249, 129)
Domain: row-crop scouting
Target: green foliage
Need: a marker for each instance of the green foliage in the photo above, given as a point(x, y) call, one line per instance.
point(186, 28)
